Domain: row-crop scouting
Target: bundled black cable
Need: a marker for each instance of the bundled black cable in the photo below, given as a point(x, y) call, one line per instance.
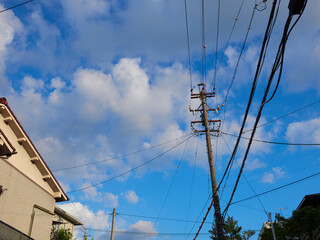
point(271, 22)
point(296, 7)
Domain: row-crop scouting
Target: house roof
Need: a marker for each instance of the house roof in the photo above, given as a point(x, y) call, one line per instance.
point(60, 212)
point(35, 156)
point(310, 200)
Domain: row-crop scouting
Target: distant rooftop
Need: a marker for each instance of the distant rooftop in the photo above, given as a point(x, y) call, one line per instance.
point(67, 216)
point(310, 200)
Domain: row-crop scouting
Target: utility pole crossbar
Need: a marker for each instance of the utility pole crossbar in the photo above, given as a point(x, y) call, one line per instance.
point(202, 95)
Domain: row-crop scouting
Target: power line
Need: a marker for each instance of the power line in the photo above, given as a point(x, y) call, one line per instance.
point(160, 218)
point(15, 6)
point(136, 232)
point(204, 218)
point(229, 38)
point(143, 233)
point(264, 47)
point(277, 63)
point(173, 179)
point(188, 42)
point(147, 233)
point(272, 142)
point(192, 181)
point(285, 115)
point(204, 61)
point(277, 188)
point(237, 65)
point(217, 44)
point(120, 156)
point(254, 192)
point(199, 216)
point(132, 169)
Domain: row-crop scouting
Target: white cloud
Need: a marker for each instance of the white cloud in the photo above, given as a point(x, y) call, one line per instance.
point(255, 164)
point(232, 55)
point(145, 228)
point(141, 226)
point(10, 25)
point(57, 83)
point(304, 131)
point(275, 174)
point(110, 200)
point(131, 196)
point(125, 97)
point(97, 220)
point(268, 178)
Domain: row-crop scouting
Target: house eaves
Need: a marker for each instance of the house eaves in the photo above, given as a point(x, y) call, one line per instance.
point(35, 157)
point(58, 211)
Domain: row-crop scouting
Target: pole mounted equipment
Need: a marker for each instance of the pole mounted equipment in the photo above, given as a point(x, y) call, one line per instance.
point(203, 109)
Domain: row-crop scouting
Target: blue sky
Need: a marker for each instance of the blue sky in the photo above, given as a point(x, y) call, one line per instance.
point(94, 80)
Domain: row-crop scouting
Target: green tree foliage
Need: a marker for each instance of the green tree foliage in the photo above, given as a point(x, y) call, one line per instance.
point(86, 238)
point(232, 231)
point(304, 223)
point(60, 234)
point(248, 234)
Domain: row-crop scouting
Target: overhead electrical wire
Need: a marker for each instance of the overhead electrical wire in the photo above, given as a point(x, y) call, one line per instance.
point(210, 196)
point(204, 60)
point(278, 63)
point(277, 188)
point(192, 181)
point(204, 219)
point(173, 179)
point(228, 41)
point(265, 43)
point(188, 43)
point(224, 104)
point(313, 166)
point(15, 6)
point(217, 44)
point(148, 232)
point(132, 169)
point(285, 115)
point(273, 142)
point(120, 156)
point(143, 233)
point(160, 218)
point(254, 192)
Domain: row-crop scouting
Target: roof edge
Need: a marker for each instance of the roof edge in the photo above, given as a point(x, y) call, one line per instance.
point(5, 102)
point(67, 216)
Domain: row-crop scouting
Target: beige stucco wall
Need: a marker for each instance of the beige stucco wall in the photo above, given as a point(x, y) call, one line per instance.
point(17, 202)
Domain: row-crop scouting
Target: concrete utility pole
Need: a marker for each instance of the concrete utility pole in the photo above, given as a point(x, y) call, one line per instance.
point(113, 220)
point(205, 122)
point(273, 232)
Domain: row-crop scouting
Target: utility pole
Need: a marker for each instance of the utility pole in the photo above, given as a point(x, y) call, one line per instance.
point(113, 220)
point(273, 232)
point(203, 108)
point(84, 230)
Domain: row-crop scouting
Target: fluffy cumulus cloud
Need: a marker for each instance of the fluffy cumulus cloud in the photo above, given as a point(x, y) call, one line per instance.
point(127, 98)
point(255, 164)
point(304, 131)
point(137, 230)
point(272, 176)
point(111, 200)
point(90, 218)
point(131, 196)
point(10, 26)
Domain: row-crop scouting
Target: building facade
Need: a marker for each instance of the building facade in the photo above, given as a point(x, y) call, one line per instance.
point(28, 189)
